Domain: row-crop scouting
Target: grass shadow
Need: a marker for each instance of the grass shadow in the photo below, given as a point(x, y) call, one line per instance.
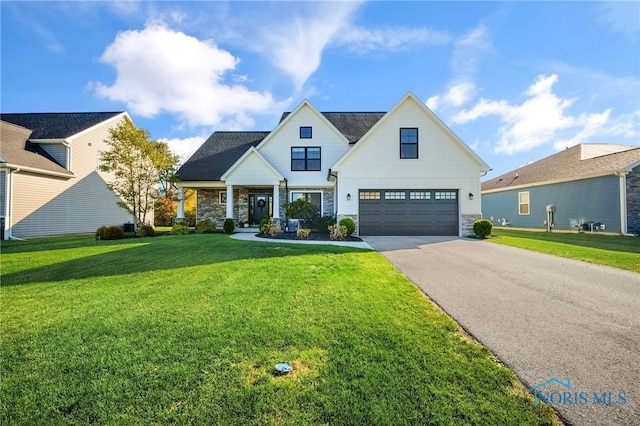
point(111, 258)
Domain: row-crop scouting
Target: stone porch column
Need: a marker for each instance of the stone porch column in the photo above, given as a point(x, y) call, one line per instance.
point(230, 201)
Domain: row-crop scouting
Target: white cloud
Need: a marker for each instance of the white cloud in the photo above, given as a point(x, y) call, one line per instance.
point(184, 147)
point(466, 54)
point(161, 70)
point(539, 119)
point(295, 44)
point(621, 17)
point(362, 40)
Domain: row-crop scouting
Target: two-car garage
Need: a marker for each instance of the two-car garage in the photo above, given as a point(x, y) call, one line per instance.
point(408, 212)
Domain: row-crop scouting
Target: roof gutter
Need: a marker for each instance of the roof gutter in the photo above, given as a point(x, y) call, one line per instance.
point(16, 168)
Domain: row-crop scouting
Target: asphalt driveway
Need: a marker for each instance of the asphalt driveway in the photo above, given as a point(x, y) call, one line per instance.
point(545, 317)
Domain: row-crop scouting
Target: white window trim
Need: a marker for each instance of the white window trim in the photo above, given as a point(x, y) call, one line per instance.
point(304, 191)
point(520, 203)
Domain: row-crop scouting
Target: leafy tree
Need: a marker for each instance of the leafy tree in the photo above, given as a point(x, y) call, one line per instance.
point(138, 165)
point(300, 209)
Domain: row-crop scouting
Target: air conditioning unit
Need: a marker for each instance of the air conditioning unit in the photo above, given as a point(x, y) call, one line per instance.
point(551, 208)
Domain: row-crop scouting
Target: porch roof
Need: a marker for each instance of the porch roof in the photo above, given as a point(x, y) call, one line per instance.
point(217, 154)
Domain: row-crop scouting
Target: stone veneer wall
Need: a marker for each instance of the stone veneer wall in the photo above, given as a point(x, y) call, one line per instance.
point(467, 224)
point(209, 207)
point(633, 201)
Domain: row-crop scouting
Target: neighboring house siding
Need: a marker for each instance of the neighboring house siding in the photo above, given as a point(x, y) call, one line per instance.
point(3, 192)
point(585, 200)
point(49, 206)
point(277, 151)
point(58, 151)
point(633, 201)
point(441, 163)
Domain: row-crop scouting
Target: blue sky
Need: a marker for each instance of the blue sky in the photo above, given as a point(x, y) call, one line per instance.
point(517, 81)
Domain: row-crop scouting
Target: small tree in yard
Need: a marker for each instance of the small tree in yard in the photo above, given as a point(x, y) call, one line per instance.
point(300, 209)
point(138, 165)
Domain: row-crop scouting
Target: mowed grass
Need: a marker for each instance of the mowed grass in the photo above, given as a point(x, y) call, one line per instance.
point(188, 329)
point(610, 250)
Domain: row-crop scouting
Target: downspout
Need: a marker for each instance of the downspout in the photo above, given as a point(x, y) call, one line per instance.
point(622, 175)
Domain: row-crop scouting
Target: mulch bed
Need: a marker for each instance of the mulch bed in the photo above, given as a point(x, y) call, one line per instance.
point(314, 236)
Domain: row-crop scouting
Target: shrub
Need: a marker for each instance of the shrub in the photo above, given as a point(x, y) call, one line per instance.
point(337, 232)
point(482, 228)
point(147, 231)
point(180, 229)
point(322, 223)
point(348, 223)
point(109, 233)
point(263, 223)
point(205, 227)
point(272, 229)
point(228, 225)
point(303, 233)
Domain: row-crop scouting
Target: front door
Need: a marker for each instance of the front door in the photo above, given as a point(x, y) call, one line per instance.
point(259, 207)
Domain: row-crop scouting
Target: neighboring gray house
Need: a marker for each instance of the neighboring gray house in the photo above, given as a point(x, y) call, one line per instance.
point(49, 178)
point(401, 172)
point(583, 188)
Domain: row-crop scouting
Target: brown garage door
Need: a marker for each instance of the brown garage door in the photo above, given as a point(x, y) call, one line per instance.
point(408, 212)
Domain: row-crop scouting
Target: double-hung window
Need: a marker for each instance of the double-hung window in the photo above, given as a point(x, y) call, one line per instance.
point(523, 203)
point(305, 158)
point(408, 143)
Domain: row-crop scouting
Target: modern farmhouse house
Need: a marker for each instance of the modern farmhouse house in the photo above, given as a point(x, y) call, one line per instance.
point(49, 178)
point(401, 172)
point(588, 187)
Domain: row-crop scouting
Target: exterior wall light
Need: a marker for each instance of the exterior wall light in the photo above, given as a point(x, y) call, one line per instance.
point(348, 197)
point(471, 196)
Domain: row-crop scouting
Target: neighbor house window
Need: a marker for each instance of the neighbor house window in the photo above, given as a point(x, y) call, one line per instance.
point(409, 143)
point(305, 133)
point(305, 158)
point(223, 197)
point(523, 202)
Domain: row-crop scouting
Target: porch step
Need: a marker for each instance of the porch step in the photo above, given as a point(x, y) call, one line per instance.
point(251, 229)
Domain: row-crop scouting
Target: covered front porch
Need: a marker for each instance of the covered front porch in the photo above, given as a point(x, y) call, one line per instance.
point(247, 205)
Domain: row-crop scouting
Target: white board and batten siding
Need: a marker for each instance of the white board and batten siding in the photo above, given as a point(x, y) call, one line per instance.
point(251, 170)
point(277, 150)
point(46, 205)
point(442, 162)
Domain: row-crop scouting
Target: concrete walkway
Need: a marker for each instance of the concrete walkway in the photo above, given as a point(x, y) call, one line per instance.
point(246, 236)
point(544, 316)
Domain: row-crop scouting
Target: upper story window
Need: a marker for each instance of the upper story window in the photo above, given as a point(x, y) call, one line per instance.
point(305, 132)
point(409, 143)
point(305, 158)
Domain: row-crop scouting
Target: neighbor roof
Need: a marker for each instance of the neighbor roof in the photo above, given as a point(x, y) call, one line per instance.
point(217, 154)
point(57, 125)
point(353, 125)
point(581, 160)
point(18, 151)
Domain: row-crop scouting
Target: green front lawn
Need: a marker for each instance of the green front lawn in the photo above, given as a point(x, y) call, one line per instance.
point(187, 330)
point(611, 250)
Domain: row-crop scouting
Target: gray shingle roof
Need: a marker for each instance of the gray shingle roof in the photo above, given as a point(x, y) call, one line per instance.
point(353, 125)
point(57, 125)
point(17, 150)
point(572, 163)
point(217, 154)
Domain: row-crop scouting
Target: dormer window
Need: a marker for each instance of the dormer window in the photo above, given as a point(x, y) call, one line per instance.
point(305, 133)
